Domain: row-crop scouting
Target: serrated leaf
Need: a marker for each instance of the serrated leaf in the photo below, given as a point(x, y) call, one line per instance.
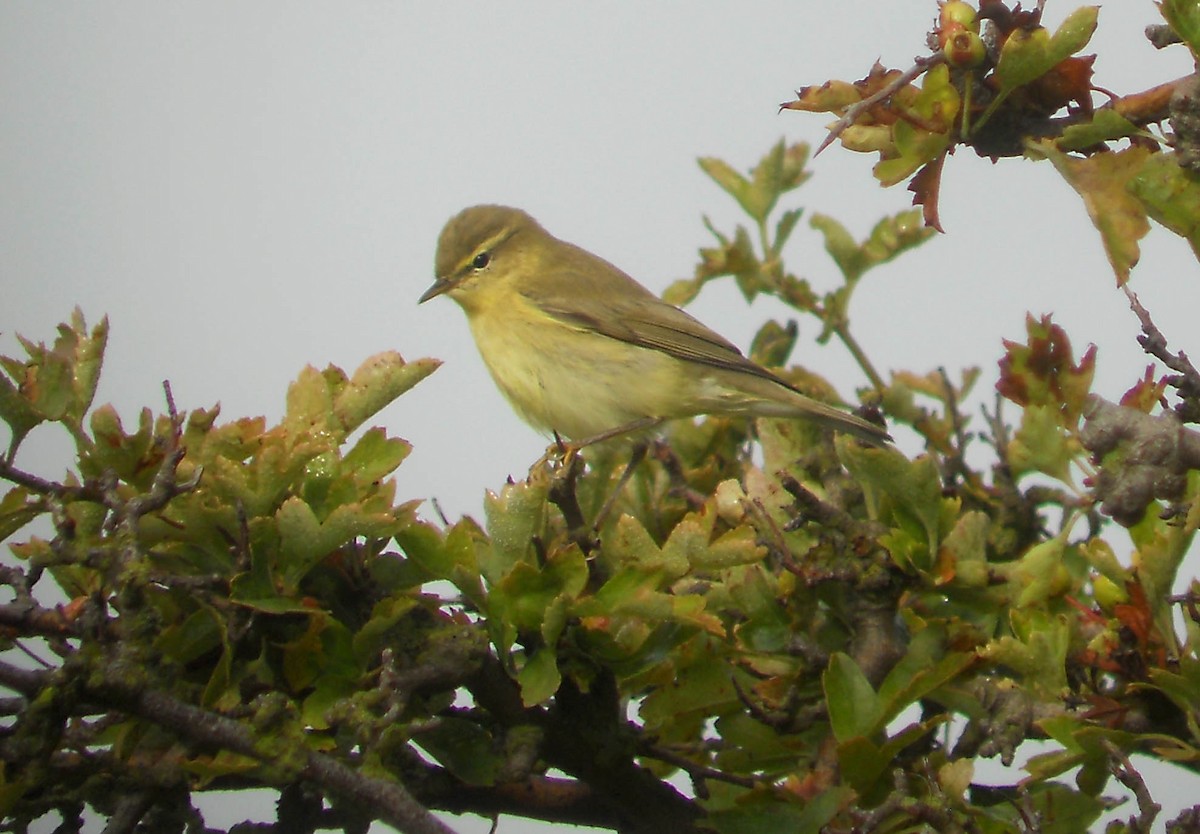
point(306, 540)
point(1170, 195)
point(890, 237)
point(18, 412)
point(705, 686)
point(378, 381)
point(1037, 651)
point(88, 360)
point(830, 97)
point(526, 595)
point(1103, 181)
point(515, 516)
point(908, 489)
point(1041, 445)
point(310, 401)
point(375, 455)
point(451, 556)
point(963, 554)
point(1039, 574)
point(1043, 371)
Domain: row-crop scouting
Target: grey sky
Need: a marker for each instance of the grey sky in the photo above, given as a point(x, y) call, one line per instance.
point(249, 187)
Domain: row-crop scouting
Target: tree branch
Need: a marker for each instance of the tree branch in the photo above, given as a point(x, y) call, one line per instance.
point(390, 801)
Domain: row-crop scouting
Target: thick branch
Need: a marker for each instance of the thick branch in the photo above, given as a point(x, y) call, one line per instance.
point(389, 801)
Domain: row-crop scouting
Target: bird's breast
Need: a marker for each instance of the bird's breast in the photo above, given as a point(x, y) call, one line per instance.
point(564, 378)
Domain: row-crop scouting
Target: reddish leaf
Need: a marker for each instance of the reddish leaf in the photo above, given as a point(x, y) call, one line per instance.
point(1069, 81)
point(926, 187)
point(1043, 371)
point(1146, 393)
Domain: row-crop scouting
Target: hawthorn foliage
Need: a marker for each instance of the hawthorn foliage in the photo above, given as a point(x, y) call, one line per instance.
point(773, 630)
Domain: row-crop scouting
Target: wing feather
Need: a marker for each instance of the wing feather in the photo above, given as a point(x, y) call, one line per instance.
point(602, 299)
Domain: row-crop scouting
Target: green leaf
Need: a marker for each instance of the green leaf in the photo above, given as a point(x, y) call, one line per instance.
point(935, 109)
point(1104, 182)
point(1170, 195)
point(539, 678)
point(18, 508)
point(784, 228)
point(925, 667)
point(56, 383)
point(184, 641)
point(525, 595)
point(515, 516)
point(378, 381)
point(462, 747)
point(1062, 810)
point(890, 237)
point(385, 614)
point(1037, 650)
point(305, 540)
point(1039, 574)
point(375, 455)
point(775, 817)
point(780, 171)
point(731, 182)
point(1105, 126)
point(1029, 54)
point(134, 458)
point(310, 401)
point(898, 490)
point(88, 360)
point(773, 343)
point(1041, 445)
point(854, 708)
point(1184, 17)
point(17, 411)
point(840, 245)
point(451, 556)
point(963, 555)
point(704, 687)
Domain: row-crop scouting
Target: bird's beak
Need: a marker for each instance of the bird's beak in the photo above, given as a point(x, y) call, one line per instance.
point(439, 286)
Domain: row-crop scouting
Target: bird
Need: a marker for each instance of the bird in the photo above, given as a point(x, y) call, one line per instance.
point(582, 350)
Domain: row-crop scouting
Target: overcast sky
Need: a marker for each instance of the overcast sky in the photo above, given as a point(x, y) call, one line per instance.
point(246, 188)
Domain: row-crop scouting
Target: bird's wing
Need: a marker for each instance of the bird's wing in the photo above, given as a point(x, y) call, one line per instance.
point(604, 300)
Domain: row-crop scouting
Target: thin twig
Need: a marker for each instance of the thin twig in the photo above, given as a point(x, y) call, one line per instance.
point(1152, 340)
point(1122, 768)
point(698, 773)
point(41, 486)
point(921, 65)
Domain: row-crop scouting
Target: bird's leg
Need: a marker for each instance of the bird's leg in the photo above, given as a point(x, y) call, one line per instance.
point(637, 454)
point(640, 424)
point(564, 450)
point(561, 451)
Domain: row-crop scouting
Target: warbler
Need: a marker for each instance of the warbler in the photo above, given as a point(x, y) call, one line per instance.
point(581, 349)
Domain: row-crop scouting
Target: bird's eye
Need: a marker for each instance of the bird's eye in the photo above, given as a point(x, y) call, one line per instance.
point(481, 260)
